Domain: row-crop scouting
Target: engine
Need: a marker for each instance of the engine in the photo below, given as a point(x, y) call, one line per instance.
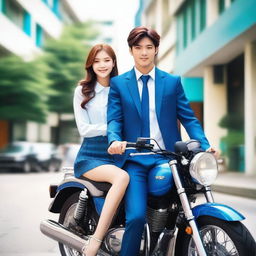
point(156, 219)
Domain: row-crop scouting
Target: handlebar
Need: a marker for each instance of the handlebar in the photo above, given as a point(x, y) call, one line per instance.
point(138, 145)
point(131, 145)
point(142, 144)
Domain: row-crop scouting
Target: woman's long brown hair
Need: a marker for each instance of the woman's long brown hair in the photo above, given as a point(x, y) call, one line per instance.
point(88, 84)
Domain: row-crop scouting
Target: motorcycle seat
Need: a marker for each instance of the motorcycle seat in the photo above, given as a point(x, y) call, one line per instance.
point(95, 188)
point(101, 186)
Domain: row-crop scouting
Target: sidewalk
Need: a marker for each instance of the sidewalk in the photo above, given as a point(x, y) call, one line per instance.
point(235, 183)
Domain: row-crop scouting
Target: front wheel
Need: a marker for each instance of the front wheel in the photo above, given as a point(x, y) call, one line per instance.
point(220, 238)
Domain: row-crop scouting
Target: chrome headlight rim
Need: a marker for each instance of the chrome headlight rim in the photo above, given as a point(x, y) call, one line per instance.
point(201, 175)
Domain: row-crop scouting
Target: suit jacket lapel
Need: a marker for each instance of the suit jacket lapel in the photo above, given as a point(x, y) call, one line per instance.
point(133, 89)
point(159, 90)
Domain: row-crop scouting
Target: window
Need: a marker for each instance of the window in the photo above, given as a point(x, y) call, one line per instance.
point(193, 20)
point(39, 36)
point(185, 31)
point(17, 15)
point(14, 12)
point(27, 23)
point(179, 35)
point(2, 6)
point(221, 6)
point(54, 6)
point(202, 14)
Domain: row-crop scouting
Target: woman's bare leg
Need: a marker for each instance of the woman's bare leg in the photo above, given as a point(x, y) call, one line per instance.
point(119, 180)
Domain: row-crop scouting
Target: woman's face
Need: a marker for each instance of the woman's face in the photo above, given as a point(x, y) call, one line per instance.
point(103, 64)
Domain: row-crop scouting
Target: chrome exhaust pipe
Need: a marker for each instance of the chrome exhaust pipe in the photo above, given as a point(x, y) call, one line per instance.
point(61, 234)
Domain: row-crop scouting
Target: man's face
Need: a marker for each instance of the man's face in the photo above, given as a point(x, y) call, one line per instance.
point(144, 54)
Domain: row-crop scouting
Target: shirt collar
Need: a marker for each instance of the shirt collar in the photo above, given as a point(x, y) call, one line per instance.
point(99, 87)
point(152, 73)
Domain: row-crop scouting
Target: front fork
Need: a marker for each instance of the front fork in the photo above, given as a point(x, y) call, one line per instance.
point(187, 209)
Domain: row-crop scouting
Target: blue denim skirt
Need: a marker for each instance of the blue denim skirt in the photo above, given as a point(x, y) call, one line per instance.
point(92, 153)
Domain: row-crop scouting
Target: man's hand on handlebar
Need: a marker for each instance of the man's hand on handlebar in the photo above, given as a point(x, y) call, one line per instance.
point(117, 147)
point(214, 151)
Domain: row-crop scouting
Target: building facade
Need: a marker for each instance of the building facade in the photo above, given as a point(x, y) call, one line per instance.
point(212, 45)
point(24, 27)
point(31, 22)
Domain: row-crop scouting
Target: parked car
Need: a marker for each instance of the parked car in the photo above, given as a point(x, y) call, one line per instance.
point(18, 155)
point(69, 152)
point(30, 156)
point(47, 157)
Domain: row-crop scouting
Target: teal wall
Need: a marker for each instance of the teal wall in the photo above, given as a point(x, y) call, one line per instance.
point(234, 21)
point(194, 88)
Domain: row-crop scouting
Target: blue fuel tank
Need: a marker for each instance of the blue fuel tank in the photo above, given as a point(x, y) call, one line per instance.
point(160, 180)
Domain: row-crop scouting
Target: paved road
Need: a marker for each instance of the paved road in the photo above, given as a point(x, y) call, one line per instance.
point(24, 202)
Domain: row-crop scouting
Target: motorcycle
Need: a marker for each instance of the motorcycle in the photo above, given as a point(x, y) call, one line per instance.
point(175, 226)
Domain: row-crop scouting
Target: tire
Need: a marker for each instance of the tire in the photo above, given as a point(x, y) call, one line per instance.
point(231, 239)
point(52, 166)
point(66, 216)
point(27, 167)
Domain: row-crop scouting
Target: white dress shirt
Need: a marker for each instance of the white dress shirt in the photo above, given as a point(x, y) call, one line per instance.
point(155, 132)
point(91, 121)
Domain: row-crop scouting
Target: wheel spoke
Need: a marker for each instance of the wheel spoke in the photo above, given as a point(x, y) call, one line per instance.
point(216, 242)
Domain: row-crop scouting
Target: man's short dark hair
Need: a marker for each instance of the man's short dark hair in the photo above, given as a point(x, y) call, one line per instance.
point(140, 32)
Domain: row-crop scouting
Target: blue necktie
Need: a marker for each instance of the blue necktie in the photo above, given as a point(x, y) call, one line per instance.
point(145, 131)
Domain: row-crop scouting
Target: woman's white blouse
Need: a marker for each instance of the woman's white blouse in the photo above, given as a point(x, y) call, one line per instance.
point(91, 121)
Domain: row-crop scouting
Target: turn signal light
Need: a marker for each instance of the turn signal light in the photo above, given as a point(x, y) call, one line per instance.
point(189, 230)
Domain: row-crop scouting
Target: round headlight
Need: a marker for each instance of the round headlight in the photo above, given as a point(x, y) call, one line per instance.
point(203, 168)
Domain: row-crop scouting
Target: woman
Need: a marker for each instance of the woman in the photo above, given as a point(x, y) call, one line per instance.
point(93, 161)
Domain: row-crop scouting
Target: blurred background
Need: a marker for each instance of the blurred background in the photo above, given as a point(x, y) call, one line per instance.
point(211, 44)
point(43, 47)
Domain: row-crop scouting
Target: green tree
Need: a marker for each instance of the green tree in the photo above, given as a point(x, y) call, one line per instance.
point(65, 59)
point(24, 89)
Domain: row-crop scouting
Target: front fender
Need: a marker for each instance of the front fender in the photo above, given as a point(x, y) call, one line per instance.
point(219, 211)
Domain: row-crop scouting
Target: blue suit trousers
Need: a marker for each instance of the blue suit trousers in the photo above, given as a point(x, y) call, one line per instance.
point(136, 201)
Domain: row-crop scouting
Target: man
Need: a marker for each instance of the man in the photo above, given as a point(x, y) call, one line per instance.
point(145, 102)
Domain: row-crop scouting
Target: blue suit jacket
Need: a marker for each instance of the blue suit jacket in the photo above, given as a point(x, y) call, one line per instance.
point(124, 111)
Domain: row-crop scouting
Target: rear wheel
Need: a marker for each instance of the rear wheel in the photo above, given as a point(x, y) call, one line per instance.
point(220, 238)
point(66, 218)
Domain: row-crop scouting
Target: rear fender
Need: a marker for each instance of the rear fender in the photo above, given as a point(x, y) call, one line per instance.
point(64, 191)
point(219, 211)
